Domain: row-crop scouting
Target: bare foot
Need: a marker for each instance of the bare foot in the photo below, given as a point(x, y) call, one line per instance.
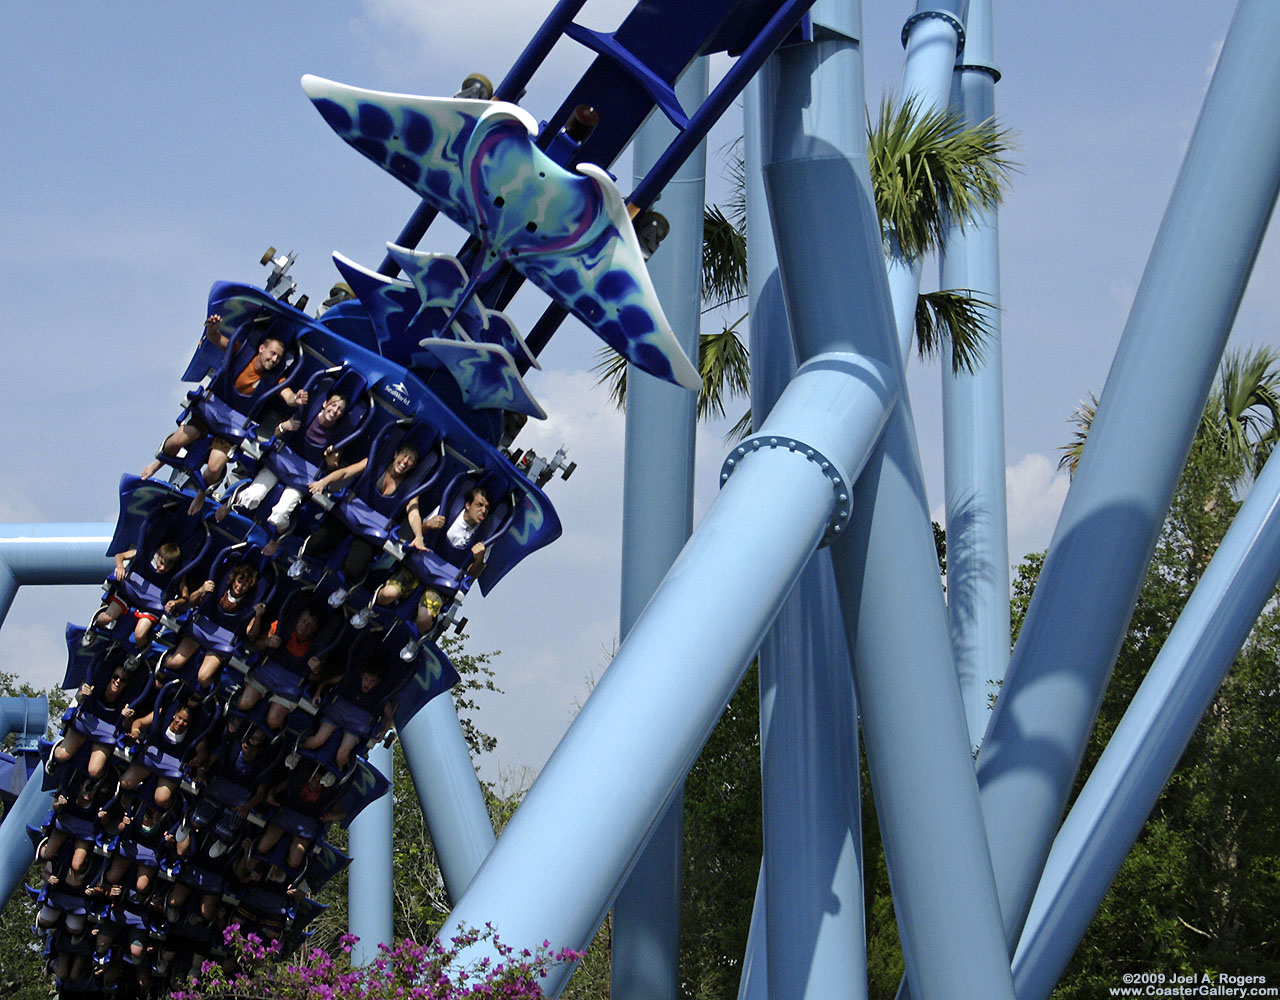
point(221, 513)
point(196, 504)
point(152, 468)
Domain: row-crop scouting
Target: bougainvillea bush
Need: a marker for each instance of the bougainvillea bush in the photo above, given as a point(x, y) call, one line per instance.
point(254, 970)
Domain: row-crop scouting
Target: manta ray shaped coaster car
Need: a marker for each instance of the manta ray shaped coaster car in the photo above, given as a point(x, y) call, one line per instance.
point(569, 233)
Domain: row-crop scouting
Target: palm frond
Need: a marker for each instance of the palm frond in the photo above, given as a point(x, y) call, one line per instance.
point(930, 170)
point(722, 359)
point(725, 367)
point(724, 257)
point(612, 371)
point(957, 315)
point(1082, 417)
point(736, 173)
point(1240, 420)
point(1243, 412)
point(739, 430)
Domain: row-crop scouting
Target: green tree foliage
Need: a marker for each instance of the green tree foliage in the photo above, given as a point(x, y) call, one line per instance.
point(722, 848)
point(1201, 888)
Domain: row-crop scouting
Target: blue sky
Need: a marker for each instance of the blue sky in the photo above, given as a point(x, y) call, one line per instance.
point(152, 150)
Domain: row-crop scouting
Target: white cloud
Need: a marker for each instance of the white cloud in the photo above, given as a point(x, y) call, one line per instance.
point(18, 507)
point(1034, 492)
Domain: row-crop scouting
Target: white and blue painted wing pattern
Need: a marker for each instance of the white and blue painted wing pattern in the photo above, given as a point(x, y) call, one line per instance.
point(486, 375)
point(389, 303)
point(419, 140)
point(475, 352)
point(441, 282)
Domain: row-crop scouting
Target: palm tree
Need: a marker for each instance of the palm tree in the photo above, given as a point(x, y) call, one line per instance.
point(1243, 412)
point(927, 169)
point(1241, 417)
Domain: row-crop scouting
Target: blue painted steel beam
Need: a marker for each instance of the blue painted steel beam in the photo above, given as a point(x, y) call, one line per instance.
point(1124, 785)
point(544, 40)
point(449, 792)
point(595, 803)
point(657, 517)
point(809, 912)
point(931, 37)
point(24, 716)
point(16, 850)
point(51, 554)
point(753, 984)
point(973, 418)
point(837, 296)
point(1139, 439)
point(726, 92)
point(39, 554)
point(370, 885)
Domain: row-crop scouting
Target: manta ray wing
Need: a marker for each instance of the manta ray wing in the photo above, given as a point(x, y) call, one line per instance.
point(390, 304)
point(486, 375)
point(418, 140)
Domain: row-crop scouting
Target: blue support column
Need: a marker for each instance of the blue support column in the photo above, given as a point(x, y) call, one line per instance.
point(753, 984)
point(40, 554)
point(1139, 439)
point(24, 716)
point(51, 554)
point(932, 36)
point(809, 912)
point(448, 791)
point(973, 418)
point(657, 516)
point(596, 801)
point(1124, 785)
point(370, 886)
point(8, 589)
point(598, 798)
point(16, 850)
point(834, 282)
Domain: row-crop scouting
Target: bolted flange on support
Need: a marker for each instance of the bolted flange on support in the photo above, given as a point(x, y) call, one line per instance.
point(840, 486)
point(831, 414)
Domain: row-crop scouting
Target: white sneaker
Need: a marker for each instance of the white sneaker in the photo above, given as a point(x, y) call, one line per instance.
point(410, 651)
point(337, 597)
